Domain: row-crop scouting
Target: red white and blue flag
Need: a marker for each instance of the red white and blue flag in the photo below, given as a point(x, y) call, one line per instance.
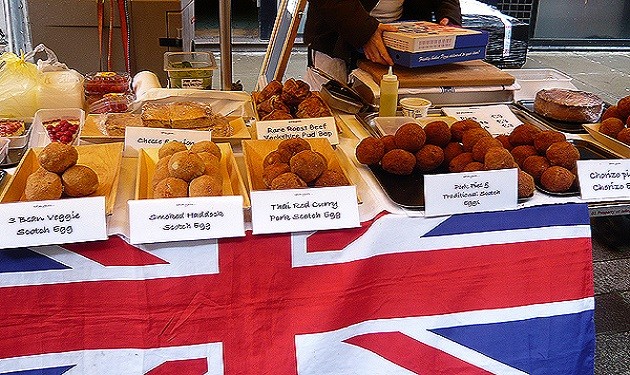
point(489, 293)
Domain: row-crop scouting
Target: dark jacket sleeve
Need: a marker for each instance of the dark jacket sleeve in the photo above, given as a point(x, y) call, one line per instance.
point(425, 10)
point(333, 26)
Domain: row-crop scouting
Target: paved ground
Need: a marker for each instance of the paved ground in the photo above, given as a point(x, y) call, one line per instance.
point(608, 75)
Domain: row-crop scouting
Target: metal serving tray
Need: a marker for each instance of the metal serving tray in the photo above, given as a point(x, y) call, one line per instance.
point(563, 126)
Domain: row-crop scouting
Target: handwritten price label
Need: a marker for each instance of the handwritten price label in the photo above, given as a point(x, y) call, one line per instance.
point(497, 119)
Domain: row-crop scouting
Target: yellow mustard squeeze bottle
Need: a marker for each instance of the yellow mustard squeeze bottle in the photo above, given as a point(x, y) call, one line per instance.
point(389, 95)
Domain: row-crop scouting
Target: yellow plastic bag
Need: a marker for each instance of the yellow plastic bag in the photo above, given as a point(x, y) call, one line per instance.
point(19, 84)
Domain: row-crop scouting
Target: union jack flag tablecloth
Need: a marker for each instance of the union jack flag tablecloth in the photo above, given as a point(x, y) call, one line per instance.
point(490, 293)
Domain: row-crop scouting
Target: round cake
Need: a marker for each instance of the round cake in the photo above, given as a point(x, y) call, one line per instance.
point(568, 105)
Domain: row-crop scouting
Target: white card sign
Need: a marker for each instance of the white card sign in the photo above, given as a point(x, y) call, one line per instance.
point(497, 119)
point(52, 222)
point(467, 192)
point(320, 127)
point(297, 210)
point(604, 179)
point(137, 138)
point(179, 219)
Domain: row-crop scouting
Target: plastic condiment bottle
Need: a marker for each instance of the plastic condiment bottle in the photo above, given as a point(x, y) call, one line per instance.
point(389, 95)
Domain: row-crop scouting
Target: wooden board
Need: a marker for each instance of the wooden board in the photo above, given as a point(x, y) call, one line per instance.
point(467, 73)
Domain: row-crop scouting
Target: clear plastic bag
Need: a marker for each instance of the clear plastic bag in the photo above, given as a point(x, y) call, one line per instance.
point(19, 83)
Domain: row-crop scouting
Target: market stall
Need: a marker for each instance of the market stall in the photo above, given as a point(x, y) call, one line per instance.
point(232, 232)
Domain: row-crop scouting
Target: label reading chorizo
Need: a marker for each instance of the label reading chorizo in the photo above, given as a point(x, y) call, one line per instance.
point(604, 179)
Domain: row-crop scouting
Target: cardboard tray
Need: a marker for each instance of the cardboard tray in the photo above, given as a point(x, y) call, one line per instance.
point(104, 159)
point(255, 152)
point(232, 179)
point(608, 141)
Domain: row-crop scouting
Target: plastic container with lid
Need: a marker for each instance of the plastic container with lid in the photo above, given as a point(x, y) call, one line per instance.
point(389, 95)
point(189, 70)
point(61, 89)
point(101, 83)
point(108, 103)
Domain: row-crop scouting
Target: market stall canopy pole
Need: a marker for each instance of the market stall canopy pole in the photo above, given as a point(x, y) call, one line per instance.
point(225, 41)
point(281, 42)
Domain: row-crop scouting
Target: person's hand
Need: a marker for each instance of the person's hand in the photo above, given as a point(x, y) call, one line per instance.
point(444, 21)
point(375, 49)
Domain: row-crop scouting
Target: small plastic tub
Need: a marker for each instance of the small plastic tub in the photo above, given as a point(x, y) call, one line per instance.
point(189, 70)
point(100, 83)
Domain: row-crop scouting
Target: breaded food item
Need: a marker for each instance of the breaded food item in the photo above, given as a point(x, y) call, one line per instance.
point(205, 186)
point(212, 164)
point(545, 138)
point(471, 136)
point(308, 165)
point(277, 156)
point(523, 134)
point(505, 141)
point(162, 161)
point(294, 91)
point(451, 150)
point(171, 187)
point(460, 161)
point(498, 158)
point(481, 147)
point(459, 127)
point(563, 154)
point(611, 111)
point(522, 152)
point(557, 179)
point(370, 150)
point(473, 167)
point(160, 173)
point(277, 114)
point(186, 165)
point(568, 105)
point(526, 185)
point(293, 146)
point(79, 181)
point(272, 171)
point(331, 177)
point(611, 126)
point(410, 137)
point(429, 157)
point(438, 133)
point(287, 180)
point(623, 106)
point(56, 157)
point(535, 165)
point(399, 161)
point(624, 136)
point(273, 88)
point(389, 141)
point(206, 146)
point(312, 106)
point(171, 147)
point(43, 185)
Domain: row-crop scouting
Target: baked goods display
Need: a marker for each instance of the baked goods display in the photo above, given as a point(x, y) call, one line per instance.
point(295, 163)
point(114, 124)
point(59, 174)
point(467, 147)
point(183, 172)
point(62, 130)
point(293, 99)
point(11, 128)
point(568, 105)
point(185, 115)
